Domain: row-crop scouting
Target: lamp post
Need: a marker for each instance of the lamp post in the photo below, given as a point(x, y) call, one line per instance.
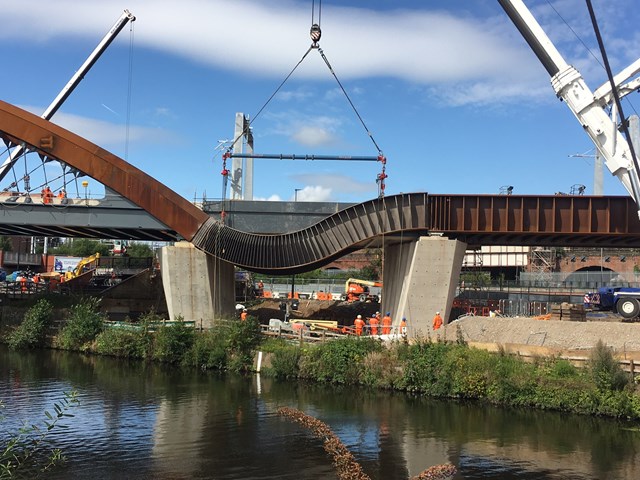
point(85, 184)
point(295, 194)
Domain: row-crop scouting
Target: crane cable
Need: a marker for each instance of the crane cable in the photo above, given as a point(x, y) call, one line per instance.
point(315, 33)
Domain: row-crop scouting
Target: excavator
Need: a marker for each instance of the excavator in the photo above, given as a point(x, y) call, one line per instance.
point(356, 289)
point(83, 266)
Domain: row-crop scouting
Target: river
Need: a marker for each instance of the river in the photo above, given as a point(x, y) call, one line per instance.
point(140, 421)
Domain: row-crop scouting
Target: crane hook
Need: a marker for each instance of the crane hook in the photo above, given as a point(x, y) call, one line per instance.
point(315, 34)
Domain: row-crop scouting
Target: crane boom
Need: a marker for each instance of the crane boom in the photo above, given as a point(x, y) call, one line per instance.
point(73, 83)
point(587, 107)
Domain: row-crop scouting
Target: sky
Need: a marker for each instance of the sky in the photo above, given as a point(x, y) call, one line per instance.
point(447, 89)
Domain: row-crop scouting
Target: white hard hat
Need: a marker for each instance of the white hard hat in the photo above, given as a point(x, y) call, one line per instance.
point(437, 313)
point(359, 316)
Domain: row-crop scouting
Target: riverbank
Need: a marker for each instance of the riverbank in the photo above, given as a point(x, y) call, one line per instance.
point(446, 366)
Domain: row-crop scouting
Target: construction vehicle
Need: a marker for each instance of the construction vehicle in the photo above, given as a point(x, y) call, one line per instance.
point(356, 289)
point(83, 266)
point(622, 300)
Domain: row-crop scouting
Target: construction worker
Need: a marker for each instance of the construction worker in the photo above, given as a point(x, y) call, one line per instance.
point(47, 195)
point(358, 323)
point(386, 324)
point(374, 322)
point(437, 321)
point(403, 327)
point(243, 315)
point(62, 194)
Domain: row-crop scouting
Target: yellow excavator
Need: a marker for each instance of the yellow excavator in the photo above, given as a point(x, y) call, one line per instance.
point(83, 266)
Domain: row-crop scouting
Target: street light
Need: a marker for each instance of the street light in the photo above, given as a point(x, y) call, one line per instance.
point(295, 195)
point(85, 184)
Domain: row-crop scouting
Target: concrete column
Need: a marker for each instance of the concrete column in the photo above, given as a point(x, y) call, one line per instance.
point(197, 286)
point(420, 278)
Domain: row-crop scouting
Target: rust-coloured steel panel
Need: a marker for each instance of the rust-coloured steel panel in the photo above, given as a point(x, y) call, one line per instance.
point(19, 126)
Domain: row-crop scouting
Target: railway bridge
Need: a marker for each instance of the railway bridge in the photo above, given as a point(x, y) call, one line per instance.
point(423, 236)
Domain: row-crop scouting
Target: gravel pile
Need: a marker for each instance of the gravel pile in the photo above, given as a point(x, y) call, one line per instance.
point(623, 337)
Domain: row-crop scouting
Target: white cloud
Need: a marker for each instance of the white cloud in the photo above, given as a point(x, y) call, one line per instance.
point(335, 183)
point(314, 136)
point(306, 130)
point(106, 134)
point(272, 198)
point(267, 38)
point(313, 193)
point(435, 49)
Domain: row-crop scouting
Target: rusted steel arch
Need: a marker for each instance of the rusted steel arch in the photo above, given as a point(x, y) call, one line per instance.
point(18, 126)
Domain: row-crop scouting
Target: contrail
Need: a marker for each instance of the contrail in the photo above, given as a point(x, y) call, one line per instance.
point(112, 111)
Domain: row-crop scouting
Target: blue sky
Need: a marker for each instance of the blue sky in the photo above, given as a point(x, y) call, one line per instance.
point(449, 90)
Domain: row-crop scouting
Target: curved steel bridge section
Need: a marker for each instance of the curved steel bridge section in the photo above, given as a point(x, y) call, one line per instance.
point(474, 219)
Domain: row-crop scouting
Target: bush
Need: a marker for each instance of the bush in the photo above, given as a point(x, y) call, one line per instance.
point(339, 361)
point(285, 362)
point(209, 350)
point(121, 343)
point(173, 342)
point(605, 369)
point(84, 323)
point(33, 329)
point(242, 340)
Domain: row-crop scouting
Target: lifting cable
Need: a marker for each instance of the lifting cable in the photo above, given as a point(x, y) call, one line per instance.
point(315, 34)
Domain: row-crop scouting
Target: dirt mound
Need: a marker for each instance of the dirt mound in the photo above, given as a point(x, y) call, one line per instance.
point(342, 312)
point(622, 337)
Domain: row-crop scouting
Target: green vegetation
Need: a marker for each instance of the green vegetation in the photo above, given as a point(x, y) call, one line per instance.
point(81, 247)
point(5, 244)
point(454, 370)
point(139, 250)
point(25, 455)
point(32, 331)
point(422, 367)
point(85, 322)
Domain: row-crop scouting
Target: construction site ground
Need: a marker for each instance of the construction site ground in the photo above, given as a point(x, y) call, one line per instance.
point(524, 335)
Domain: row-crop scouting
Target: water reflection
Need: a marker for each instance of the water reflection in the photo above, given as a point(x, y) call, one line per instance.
point(143, 421)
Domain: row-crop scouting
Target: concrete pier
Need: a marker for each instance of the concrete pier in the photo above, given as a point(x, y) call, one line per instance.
point(420, 278)
point(197, 286)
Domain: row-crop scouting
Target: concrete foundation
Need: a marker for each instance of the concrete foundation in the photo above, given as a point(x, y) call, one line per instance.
point(420, 278)
point(197, 286)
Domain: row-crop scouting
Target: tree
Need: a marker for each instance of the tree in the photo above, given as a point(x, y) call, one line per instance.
point(5, 244)
point(82, 247)
point(139, 250)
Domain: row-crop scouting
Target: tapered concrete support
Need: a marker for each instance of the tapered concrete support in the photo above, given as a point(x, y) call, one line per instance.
point(197, 286)
point(420, 278)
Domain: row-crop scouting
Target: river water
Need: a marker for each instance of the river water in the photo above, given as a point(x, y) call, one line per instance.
point(138, 421)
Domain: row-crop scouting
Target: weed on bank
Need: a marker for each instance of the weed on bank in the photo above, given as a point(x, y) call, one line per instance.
point(423, 367)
